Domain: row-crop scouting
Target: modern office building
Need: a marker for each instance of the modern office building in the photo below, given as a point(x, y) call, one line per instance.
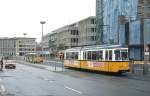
point(111, 15)
point(139, 31)
point(17, 46)
point(124, 22)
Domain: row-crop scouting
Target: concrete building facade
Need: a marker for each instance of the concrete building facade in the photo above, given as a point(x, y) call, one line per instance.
point(45, 42)
point(17, 46)
point(25, 45)
point(7, 47)
point(81, 33)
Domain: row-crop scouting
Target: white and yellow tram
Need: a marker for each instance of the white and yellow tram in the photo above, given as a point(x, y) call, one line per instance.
point(99, 58)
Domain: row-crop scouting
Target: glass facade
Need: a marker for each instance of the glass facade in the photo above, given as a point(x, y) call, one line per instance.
point(110, 28)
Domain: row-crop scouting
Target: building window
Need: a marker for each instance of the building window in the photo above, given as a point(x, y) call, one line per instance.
point(93, 29)
point(74, 40)
point(93, 38)
point(92, 21)
point(74, 32)
point(20, 49)
point(20, 46)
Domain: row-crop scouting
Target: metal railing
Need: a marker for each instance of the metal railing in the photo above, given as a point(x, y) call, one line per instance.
point(137, 67)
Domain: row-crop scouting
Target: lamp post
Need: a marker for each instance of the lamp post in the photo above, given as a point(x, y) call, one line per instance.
point(24, 34)
point(42, 22)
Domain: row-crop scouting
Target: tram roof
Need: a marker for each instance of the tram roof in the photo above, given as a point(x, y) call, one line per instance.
point(95, 47)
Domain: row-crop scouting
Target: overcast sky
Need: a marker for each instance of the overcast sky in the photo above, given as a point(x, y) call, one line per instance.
point(24, 16)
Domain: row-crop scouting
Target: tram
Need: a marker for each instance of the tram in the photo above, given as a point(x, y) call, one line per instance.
point(34, 58)
point(103, 58)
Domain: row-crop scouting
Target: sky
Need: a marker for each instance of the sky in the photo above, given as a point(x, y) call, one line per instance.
point(24, 16)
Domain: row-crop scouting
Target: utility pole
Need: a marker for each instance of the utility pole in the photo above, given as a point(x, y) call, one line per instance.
point(146, 48)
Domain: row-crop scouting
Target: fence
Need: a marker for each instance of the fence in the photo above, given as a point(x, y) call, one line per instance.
point(138, 67)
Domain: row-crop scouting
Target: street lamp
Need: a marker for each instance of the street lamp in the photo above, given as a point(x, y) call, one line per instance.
point(42, 22)
point(24, 34)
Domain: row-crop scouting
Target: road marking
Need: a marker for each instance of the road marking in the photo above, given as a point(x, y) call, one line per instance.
point(73, 90)
point(46, 79)
point(0, 79)
point(52, 62)
point(2, 89)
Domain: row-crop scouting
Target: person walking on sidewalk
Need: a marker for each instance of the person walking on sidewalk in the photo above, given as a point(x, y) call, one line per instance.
point(1, 64)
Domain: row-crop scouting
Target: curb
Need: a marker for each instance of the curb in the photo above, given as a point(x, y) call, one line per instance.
point(40, 66)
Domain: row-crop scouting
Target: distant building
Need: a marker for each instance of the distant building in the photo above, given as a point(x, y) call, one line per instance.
point(81, 33)
point(17, 46)
point(7, 47)
point(25, 45)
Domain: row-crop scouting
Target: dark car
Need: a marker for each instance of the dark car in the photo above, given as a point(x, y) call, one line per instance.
point(10, 66)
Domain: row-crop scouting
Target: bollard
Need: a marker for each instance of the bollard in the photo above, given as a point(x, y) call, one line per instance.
point(55, 66)
point(62, 66)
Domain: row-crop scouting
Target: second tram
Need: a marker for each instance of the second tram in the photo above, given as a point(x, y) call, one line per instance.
point(34, 58)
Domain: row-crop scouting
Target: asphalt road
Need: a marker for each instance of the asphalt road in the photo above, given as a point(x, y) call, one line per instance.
point(29, 81)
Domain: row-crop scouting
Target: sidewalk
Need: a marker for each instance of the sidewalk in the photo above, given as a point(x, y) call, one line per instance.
point(140, 76)
point(137, 73)
point(41, 66)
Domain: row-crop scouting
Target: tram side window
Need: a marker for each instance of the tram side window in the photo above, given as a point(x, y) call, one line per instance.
point(110, 55)
point(99, 55)
point(94, 55)
point(74, 55)
point(68, 56)
point(124, 54)
point(89, 55)
point(117, 55)
point(40, 55)
point(106, 56)
point(84, 56)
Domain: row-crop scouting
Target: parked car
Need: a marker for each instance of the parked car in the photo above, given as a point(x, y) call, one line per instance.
point(10, 66)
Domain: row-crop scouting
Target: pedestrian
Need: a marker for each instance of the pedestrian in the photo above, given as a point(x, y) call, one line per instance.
point(1, 64)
